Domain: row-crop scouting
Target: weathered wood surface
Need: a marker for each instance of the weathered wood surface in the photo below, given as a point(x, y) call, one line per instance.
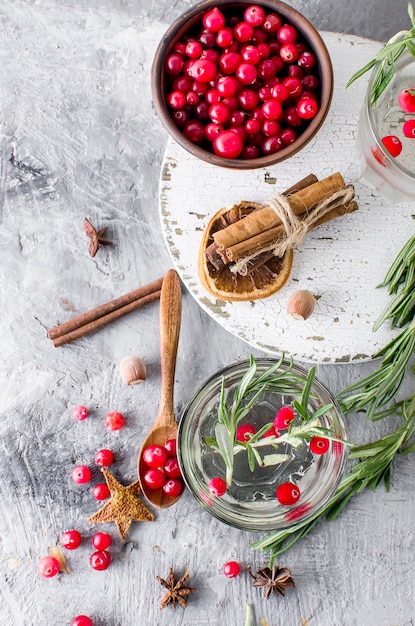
point(79, 138)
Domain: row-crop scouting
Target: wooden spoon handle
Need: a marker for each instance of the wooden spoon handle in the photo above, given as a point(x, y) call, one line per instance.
point(170, 317)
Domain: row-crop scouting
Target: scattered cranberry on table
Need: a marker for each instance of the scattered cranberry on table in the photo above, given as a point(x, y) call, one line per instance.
point(48, 567)
point(82, 620)
point(80, 413)
point(235, 67)
point(104, 457)
point(231, 569)
point(114, 421)
point(81, 474)
point(100, 560)
point(101, 491)
point(101, 541)
point(288, 493)
point(71, 539)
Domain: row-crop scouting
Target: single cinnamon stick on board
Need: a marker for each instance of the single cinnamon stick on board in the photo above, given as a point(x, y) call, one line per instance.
point(265, 218)
point(273, 235)
point(104, 314)
point(217, 257)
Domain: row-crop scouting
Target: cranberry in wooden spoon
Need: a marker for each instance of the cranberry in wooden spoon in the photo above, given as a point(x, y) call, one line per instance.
point(165, 426)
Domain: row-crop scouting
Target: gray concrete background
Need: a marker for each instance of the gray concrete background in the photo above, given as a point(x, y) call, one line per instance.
point(79, 138)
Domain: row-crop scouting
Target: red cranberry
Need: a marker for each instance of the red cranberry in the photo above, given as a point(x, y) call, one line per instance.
point(101, 541)
point(180, 48)
point(254, 15)
point(217, 487)
point(243, 431)
point(71, 539)
point(271, 145)
point(293, 85)
point(229, 61)
point(194, 49)
point(284, 417)
point(287, 136)
point(248, 99)
point(310, 82)
point(100, 560)
point(307, 60)
point(250, 152)
point(409, 129)
point(82, 620)
point(280, 92)
point(114, 421)
point(155, 456)
point(287, 34)
point(231, 569)
point(202, 70)
point(212, 130)
point(154, 478)
point(48, 567)
point(272, 109)
point(174, 64)
point(237, 118)
point(406, 100)
point(259, 36)
point(272, 23)
point(307, 108)
point(176, 99)
point(81, 474)
point(227, 86)
point(172, 468)
point(246, 73)
point(80, 413)
point(289, 53)
point(182, 83)
point(252, 126)
point(104, 457)
point(101, 491)
point(294, 70)
point(194, 131)
point(224, 37)
point(250, 54)
point(392, 144)
point(264, 50)
point(207, 38)
point(171, 447)
point(319, 445)
point(288, 493)
point(214, 20)
point(243, 31)
point(180, 118)
point(270, 128)
point(172, 488)
point(266, 69)
point(219, 113)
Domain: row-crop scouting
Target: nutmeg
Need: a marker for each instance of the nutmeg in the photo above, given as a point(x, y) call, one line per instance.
point(132, 370)
point(301, 304)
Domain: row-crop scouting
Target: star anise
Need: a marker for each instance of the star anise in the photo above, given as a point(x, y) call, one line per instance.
point(96, 236)
point(276, 579)
point(177, 591)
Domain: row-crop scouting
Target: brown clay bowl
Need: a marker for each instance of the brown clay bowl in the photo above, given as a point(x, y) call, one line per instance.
point(188, 25)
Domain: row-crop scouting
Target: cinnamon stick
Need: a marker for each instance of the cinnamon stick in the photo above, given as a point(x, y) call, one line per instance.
point(265, 218)
point(104, 314)
point(273, 235)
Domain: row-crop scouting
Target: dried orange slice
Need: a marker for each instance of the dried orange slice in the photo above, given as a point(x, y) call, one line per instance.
point(223, 283)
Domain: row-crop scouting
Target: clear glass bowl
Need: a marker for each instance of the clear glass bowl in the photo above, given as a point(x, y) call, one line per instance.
point(392, 177)
point(250, 502)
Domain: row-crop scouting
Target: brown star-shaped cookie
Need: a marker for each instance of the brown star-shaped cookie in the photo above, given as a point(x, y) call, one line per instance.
point(123, 507)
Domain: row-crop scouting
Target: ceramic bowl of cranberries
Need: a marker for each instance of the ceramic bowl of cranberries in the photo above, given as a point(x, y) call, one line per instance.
point(285, 468)
point(242, 85)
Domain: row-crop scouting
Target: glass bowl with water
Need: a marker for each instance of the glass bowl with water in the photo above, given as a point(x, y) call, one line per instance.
point(250, 501)
point(392, 177)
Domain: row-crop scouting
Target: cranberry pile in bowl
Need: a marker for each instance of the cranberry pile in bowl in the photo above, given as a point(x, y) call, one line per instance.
point(262, 445)
point(242, 85)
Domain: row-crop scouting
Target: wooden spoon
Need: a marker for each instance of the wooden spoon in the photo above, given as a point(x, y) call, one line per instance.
point(165, 426)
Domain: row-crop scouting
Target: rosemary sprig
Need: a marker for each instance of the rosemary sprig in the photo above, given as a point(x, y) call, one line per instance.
point(277, 379)
point(374, 466)
point(386, 58)
point(379, 388)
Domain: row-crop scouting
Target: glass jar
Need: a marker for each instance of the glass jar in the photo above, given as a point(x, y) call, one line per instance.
point(392, 177)
point(250, 502)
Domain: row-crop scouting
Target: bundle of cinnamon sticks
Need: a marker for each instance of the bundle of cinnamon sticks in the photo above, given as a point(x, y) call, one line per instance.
point(277, 226)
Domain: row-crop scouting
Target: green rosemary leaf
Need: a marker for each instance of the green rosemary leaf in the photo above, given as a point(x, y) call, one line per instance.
point(261, 432)
point(251, 458)
point(321, 411)
point(223, 411)
point(362, 71)
point(240, 391)
point(273, 459)
point(410, 46)
point(225, 445)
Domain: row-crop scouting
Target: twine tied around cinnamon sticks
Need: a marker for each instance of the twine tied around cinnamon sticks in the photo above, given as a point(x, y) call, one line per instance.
point(295, 228)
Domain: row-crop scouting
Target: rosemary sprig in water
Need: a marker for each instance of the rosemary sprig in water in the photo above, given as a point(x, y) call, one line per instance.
point(380, 387)
point(386, 58)
point(277, 379)
point(374, 466)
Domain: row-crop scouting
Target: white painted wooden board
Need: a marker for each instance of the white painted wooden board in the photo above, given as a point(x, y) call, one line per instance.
point(341, 262)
